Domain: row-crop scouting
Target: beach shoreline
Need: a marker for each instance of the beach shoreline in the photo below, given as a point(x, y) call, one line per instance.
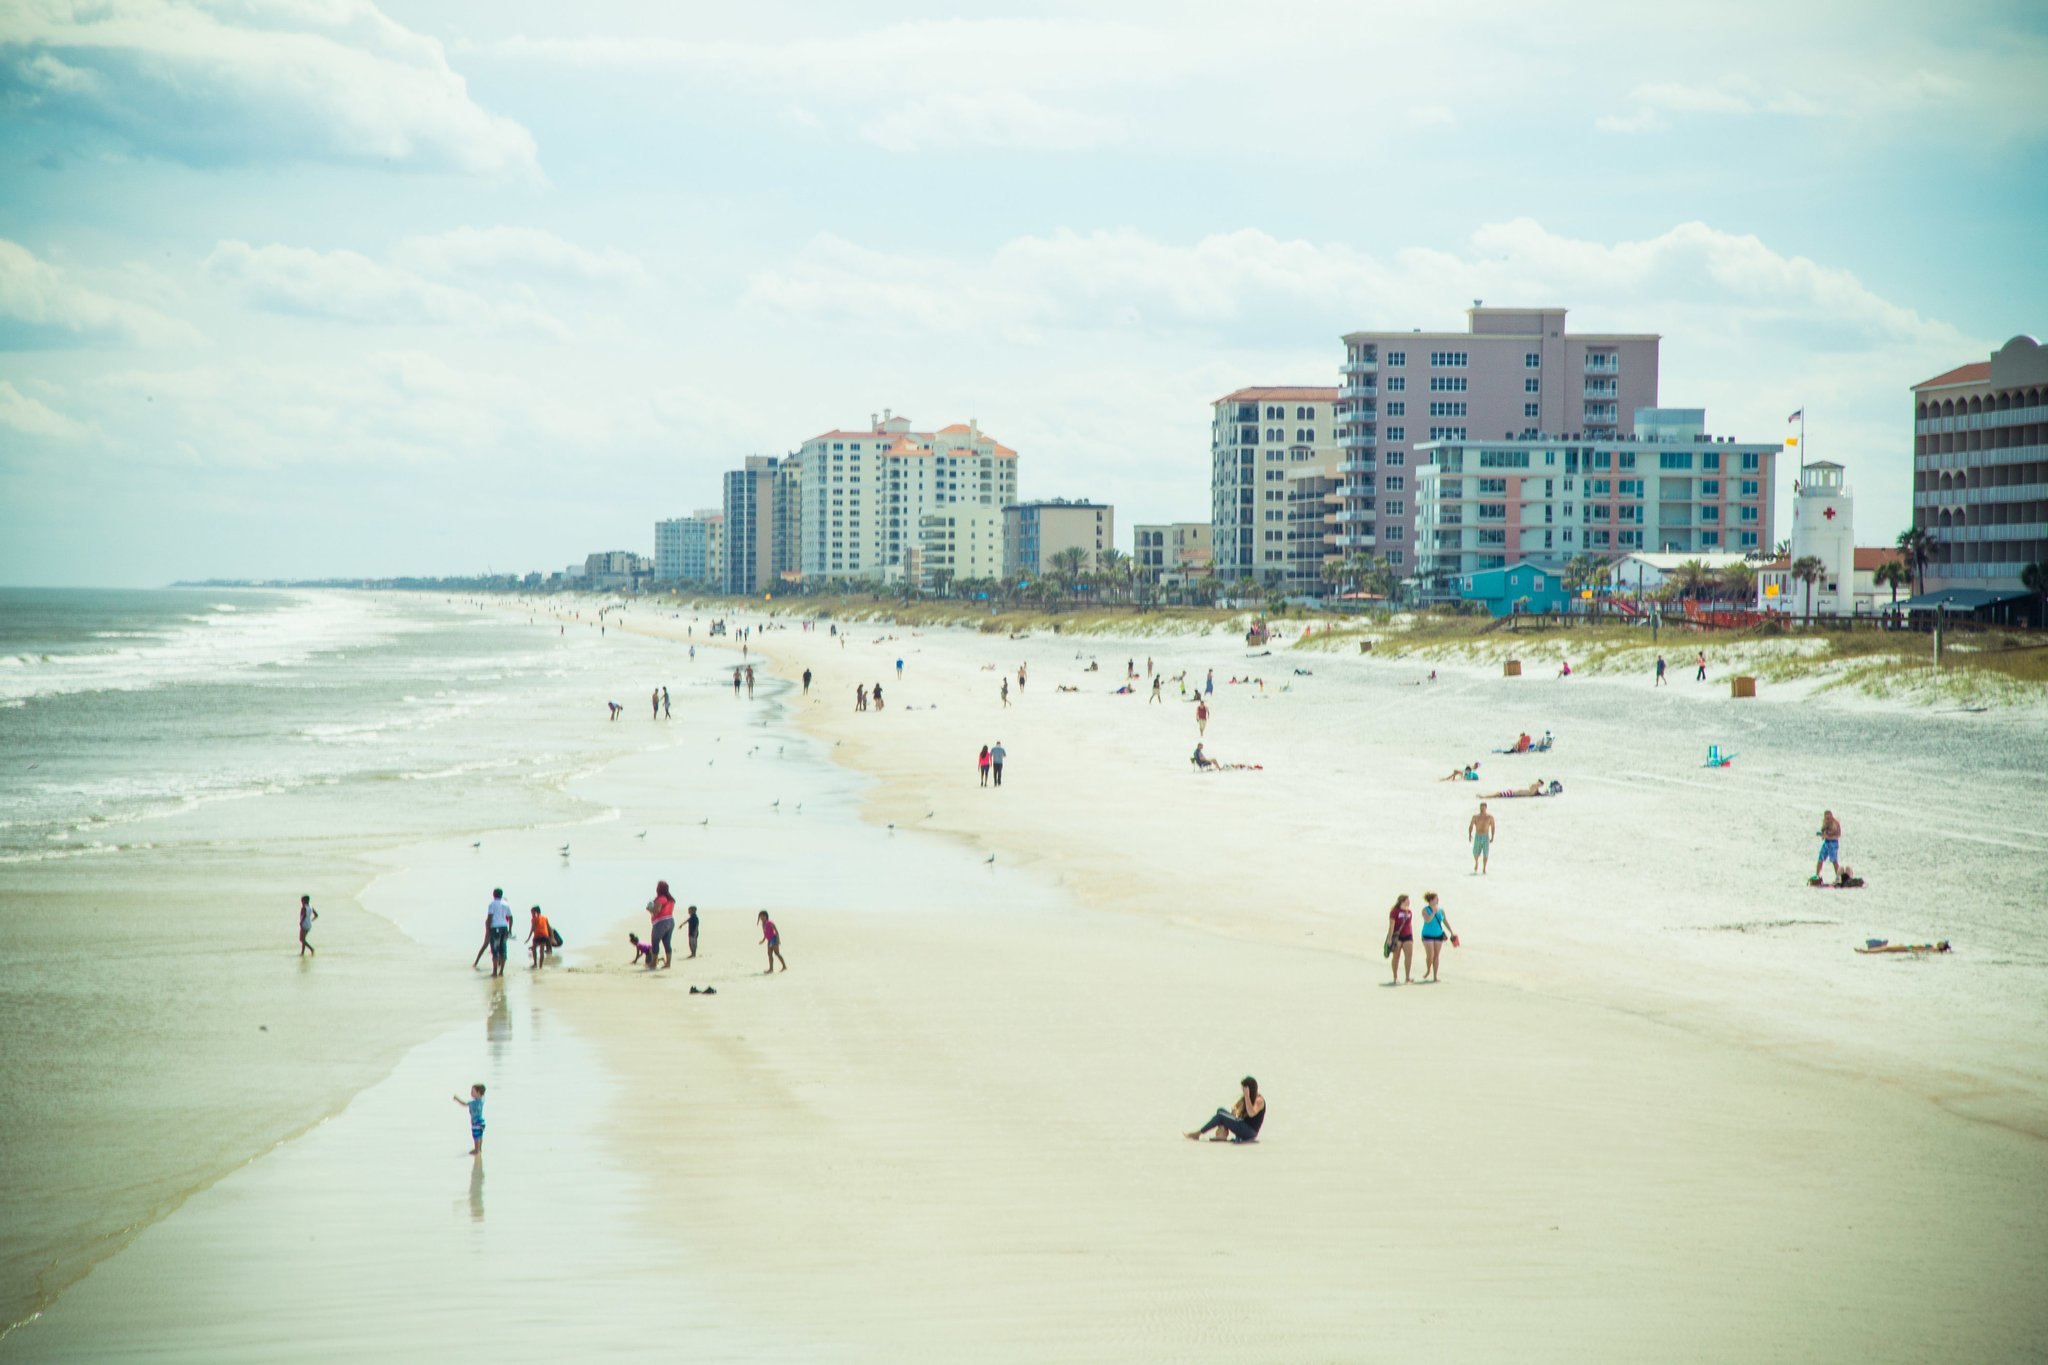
point(953, 1125)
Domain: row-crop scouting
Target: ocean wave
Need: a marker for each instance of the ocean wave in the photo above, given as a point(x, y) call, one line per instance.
point(225, 645)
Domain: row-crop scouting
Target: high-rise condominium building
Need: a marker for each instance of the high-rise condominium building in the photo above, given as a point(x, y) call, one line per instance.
point(865, 493)
point(762, 506)
point(1035, 532)
point(1980, 467)
point(1262, 441)
point(1513, 373)
point(1484, 504)
point(959, 543)
point(1174, 551)
point(683, 548)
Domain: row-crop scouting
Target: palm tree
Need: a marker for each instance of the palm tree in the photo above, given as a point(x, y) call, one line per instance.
point(2034, 578)
point(1114, 566)
point(1919, 545)
point(1808, 569)
point(1738, 583)
point(942, 582)
point(1690, 579)
point(1892, 574)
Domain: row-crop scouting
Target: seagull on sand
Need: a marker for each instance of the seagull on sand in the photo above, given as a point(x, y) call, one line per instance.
point(990, 858)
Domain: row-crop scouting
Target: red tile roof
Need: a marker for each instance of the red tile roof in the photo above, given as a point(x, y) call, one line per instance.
point(1869, 557)
point(1283, 393)
point(1977, 372)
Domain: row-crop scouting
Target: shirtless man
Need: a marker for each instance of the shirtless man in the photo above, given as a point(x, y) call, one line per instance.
point(1830, 844)
point(1480, 831)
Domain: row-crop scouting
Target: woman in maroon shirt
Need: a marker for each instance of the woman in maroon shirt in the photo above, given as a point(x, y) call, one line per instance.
point(1400, 947)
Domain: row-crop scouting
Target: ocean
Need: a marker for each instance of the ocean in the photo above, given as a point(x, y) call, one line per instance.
point(176, 768)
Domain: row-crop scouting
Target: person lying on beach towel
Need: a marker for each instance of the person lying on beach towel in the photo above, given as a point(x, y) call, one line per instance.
point(1536, 788)
point(1878, 945)
point(1064, 688)
point(1205, 764)
point(1468, 773)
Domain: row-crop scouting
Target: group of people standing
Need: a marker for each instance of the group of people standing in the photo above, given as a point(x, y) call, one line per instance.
point(661, 917)
point(1399, 948)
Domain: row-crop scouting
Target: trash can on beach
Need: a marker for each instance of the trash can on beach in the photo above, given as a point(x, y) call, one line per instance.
point(1512, 669)
point(1742, 687)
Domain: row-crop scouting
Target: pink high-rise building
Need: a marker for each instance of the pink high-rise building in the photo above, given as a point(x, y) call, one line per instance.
point(1514, 373)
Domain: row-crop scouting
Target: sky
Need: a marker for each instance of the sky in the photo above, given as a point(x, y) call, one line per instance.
point(308, 288)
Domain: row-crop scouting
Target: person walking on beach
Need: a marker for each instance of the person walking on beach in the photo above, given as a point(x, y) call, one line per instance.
point(498, 926)
point(750, 682)
point(661, 917)
point(983, 764)
point(1701, 676)
point(860, 696)
point(1209, 683)
point(995, 759)
point(773, 938)
point(690, 928)
point(1400, 944)
point(1436, 927)
point(538, 938)
point(475, 1105)
point(1481, 831)
point(807, 682)
point(1830, 844)
point(1156, 680)
point(1241, 1122)
point(1660, 672)
point(1006, 692)
point(735, 682)
point(307, 914)
point(616, 708)
point(1201, 717)
point(877, 695)
point(656, 702)
point(664, 704)
point(1020, 679)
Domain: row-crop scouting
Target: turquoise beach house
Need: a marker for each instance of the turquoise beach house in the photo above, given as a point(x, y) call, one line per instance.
point(1517, 587)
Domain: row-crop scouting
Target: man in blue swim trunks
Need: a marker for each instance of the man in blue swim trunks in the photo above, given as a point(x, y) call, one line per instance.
point(1480, 831)
point(1830, 844)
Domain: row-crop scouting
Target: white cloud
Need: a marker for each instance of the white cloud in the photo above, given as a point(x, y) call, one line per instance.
point(350, 287)
point(514, 251)
point(31, 417)
point(226, 81)
point(42, 303)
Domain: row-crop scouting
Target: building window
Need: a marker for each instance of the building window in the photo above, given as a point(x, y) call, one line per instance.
point(1446, 409)
point(1397, 383)
point(1749, 514)
point(1397, 358)
point(1395, 507)
point(1394, 459)
point(1395, 483)
point(1710, 488)
point(1396, 558)
point(1532, 360)
point(1752, 461)
point(1396, 434)
point(1503, 459)
point(1675, 459)
point(1447, 433)
point(1447, 360)
point(1499, 486)
point(1710, 460)
point(1397, 408)
point(1530, 410)
point(1451, 383)
point(1749, 488)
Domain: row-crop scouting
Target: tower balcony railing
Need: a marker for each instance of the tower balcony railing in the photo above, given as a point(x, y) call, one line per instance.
point(1359, 389)
point(1359, 440)
point(1354, 366)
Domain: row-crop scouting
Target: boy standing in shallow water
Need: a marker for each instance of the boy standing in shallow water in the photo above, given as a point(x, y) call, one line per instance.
point(475, 1104)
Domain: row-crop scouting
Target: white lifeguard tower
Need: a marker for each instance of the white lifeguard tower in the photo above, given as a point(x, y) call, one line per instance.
point(1824, 526)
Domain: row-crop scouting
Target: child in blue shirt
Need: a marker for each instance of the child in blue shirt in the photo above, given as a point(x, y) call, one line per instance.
point(475, 1104)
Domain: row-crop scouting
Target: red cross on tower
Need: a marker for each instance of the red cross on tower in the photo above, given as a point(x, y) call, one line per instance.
point(1829, 513)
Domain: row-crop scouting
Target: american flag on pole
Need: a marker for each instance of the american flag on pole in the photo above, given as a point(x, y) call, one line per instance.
point(1797, 415)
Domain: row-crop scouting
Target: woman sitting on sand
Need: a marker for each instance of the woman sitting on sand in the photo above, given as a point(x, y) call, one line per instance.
point(1243, 1120)
point(1468, 773)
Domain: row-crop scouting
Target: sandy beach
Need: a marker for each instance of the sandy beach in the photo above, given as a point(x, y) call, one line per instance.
point(1656, 1109)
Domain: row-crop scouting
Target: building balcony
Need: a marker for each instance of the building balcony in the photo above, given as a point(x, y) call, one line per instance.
point(1356, 367)
point(1603, 364)
point(1352, 540)
point(1353, 514)
point(1359, 440)
point(1602, 389)
point(1364, 466)
point(1360, 389)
